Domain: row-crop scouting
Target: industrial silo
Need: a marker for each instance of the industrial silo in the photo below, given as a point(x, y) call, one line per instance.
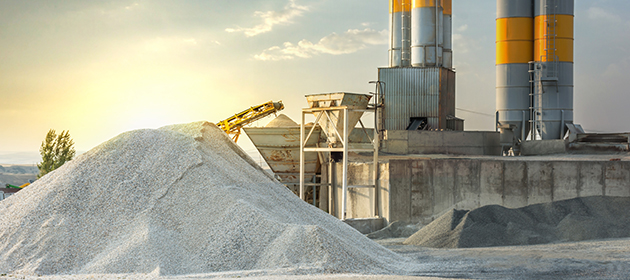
point(419, 95)
point(400, 33)
point(427, 21)
point(553, 70)
point(514, 51)
point(447, 51)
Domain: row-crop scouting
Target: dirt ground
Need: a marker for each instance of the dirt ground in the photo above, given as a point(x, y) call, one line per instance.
point(600, 259)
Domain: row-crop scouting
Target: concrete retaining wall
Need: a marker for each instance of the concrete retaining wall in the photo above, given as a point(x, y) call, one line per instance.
point(419, 190)
point(439, 185)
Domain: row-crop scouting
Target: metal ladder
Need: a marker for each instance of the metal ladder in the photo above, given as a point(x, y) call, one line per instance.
point(544, 71)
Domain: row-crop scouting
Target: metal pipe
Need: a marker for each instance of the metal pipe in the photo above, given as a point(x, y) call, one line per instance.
point(391, 35)
point(302, 157)
point(561, 124)
point(331, 193)
point(345, 165)
point(523, 124)
point(405, 48)
point(376, 187)
point(314, 190)
point(496, 121)
point(437, 32)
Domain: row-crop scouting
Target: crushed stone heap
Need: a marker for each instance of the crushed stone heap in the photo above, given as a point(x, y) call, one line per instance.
point(583, 218)
point(177, 200)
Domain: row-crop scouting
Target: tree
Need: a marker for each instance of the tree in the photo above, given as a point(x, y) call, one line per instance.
point(55, 150)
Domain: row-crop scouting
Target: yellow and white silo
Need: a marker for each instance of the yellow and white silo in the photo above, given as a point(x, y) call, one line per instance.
point(400, 33)
point(514, 51)
point(427, 21)
point(553, 70)
point(447, 51)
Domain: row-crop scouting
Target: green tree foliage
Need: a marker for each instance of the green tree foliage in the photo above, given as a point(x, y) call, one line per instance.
point(55, 150)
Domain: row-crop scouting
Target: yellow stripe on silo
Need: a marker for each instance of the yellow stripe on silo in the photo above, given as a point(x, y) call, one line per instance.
point(515, 40)
point(448, 7)
point(426, 3)
point(509, 29)
point(396, 6)
point(563, 38)
point(514, 52)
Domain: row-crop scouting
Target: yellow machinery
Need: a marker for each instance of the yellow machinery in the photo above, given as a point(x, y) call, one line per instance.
point(232, 125)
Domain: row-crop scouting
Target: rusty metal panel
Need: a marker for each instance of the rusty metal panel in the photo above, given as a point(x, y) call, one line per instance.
point(417, 92)
point(280, 147)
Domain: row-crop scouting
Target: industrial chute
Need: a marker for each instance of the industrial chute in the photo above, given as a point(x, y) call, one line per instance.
point(232, 125)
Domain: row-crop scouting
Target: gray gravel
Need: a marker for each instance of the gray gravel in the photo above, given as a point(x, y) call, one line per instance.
point(583, 218)
point(179, 200)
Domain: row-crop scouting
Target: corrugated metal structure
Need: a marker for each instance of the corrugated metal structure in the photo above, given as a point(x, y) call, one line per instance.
point(534, 90)
point(414, 92)
point(514, 51)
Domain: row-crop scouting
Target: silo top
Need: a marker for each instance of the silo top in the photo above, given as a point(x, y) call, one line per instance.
point(448, 7)
point(515, 8)
point(396, 6)
point(426, 3)
point(563, 7)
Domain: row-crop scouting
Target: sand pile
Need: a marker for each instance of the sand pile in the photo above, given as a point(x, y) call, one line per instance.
point(576, 219)
point(178, 200)
point(282, 121)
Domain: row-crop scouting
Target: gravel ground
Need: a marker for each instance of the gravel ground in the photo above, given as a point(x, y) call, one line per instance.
point(597, 259)
point(585, 260)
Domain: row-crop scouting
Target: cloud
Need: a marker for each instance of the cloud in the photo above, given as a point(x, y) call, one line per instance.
point(601, 15)
point(272, 18)
point(132, 6)
point(350, 41)
point(598, 13)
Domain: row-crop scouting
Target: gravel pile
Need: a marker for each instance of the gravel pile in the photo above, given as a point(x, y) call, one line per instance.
point(577, 219)
point(177, 200)
point(396, 229)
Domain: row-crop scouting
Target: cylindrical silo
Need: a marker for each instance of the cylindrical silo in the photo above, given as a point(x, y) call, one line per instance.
point(514, 51)
point(447, 53)
point(395, 33)
point(399, 33)
point(553, 52)
point(426, 33)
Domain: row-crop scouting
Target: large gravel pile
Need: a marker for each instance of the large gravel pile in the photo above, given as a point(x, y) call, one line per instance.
point(577, 219)
point(178, 200)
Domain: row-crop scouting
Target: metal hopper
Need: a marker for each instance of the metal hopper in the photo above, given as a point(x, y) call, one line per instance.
point(335, 119)
point(280, 147)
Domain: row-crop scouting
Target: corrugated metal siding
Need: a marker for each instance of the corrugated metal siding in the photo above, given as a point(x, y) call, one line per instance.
point(417, 92)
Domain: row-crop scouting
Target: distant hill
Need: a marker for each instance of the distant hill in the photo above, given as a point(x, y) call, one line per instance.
point(30, 158)
point(17, 174)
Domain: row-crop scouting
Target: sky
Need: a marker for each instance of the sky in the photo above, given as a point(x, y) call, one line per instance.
point(100, 68)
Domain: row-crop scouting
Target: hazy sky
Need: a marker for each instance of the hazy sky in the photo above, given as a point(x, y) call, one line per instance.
point(99, 68)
